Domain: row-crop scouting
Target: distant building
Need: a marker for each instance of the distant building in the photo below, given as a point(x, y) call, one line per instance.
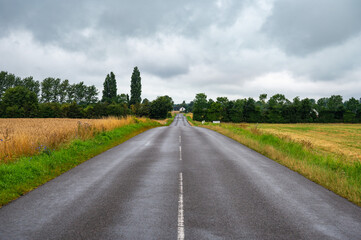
point(182, 109)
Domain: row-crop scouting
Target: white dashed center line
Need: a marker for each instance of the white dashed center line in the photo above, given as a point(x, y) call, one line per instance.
point(180, 209)
point(180, 148)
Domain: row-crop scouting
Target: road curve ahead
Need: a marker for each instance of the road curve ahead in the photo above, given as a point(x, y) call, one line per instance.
point(180, 182)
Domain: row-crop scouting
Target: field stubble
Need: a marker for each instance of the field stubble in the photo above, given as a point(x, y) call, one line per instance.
point(27, 137)
point(341, 140)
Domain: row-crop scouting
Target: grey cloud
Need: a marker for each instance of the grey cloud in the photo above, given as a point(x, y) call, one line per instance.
point(304, 27)
point(61, 22)
point(218, 47)
point(58, 23)
point(330, 64)
point(142, 18)
point(47, 19)
point(166, 71)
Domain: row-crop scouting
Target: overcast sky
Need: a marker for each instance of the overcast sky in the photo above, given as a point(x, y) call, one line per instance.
point(232, 48)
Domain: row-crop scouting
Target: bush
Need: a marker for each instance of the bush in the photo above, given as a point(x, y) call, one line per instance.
point(160, 107)
point(19, 102)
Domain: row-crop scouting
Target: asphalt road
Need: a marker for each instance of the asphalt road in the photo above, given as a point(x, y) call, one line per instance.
point(180, 182)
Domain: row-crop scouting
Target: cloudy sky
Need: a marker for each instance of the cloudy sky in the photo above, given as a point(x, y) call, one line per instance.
point(233, 48)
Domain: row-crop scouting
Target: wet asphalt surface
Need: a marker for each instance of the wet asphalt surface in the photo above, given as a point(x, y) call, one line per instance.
point(133, 191)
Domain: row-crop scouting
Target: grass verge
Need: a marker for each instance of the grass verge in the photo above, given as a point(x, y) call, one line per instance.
point(26, 173)
point(169, 120)
point(190, 119)
point(332, 172)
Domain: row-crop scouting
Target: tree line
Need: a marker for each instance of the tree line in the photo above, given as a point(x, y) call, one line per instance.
point(277, 109)
point(56, 98)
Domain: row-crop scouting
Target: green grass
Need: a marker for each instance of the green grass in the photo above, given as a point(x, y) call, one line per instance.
point(27, 173)
point(327, 169)
point(190, 120)
point(170, 120)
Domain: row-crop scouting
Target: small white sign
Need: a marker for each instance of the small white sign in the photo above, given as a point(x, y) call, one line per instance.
point(216, 121)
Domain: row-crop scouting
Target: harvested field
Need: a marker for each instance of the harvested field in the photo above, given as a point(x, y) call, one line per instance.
point(343, 140)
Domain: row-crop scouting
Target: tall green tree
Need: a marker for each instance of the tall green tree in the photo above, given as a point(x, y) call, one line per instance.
point(250, 110)
point(19, 102)
point(91, 93)
point(307, 113)
point(214, 111)
point(70, 93)
point(135, 87)
point(200, 107)
point(3, 83)
point(31, 84)
point(110, 88)
point(7, 80)
point(352, 105)
point(336, 105)
point(276, 106)
point(224, 108)
point(261, 103)
point(80, 92)
point(50, 90)
point(236, 114)
point(63, 91)
point(10, 80)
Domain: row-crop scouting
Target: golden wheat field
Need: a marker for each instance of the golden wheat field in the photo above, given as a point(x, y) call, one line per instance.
point(343, 140)
point(25, 137)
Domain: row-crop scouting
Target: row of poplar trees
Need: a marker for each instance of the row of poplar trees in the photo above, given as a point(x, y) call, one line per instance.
point(119, 105)
point(110, 89)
